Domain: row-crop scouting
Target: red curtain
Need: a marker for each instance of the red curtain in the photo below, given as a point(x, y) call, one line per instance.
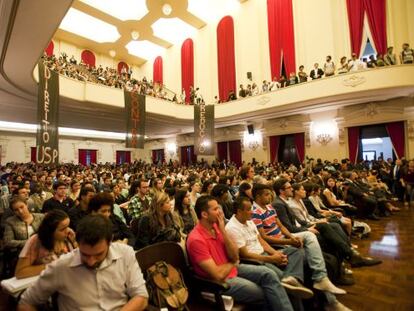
point(396, 132)
point(82, 156)
point(154, 156)
point(353, 143)
point(157, 71)
point(376, 14)
point(235, 152)
point(187, 67)
point(93, 157)
point(300, 146)
point(88, 58)
point(281, 36)
point(49, 49)
point(121, 65)
point(225, 58)
point(184, 158)
point(119, 156)
point(128, 156)
point(33, 154)
point(356, 24)
point(222, 150)
point(274, 142)
point(377, 21)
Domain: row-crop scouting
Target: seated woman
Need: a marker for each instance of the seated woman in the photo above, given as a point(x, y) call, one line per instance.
point(20, 227)
point(103, 203)
point(184, 211)
point(319, 210)
point(53, 239)
point(157, 224)
point(331, 199)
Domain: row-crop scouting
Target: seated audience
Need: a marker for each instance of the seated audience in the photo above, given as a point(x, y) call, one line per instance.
point(76, 213)
point(343, 65)
point(53, 239)
point(140, 200)
point(185, 211)
point(214, 256)
point(59, 200)
point(158, 223)
point(303, 76)
point(120, 284)
point(103, 204)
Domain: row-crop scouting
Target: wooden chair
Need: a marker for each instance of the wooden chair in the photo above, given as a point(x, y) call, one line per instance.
point(173, 254)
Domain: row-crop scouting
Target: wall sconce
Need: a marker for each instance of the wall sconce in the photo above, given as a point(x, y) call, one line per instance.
point(171, 149)
point(323, 139)
point(252, 140)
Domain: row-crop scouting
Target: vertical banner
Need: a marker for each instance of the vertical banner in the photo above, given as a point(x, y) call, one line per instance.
point(135, 119)
point(47, 138)
point(204, 129)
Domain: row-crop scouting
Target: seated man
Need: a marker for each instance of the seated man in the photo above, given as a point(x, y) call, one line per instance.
point(214, 256)
point(98, 275)
point(243, 232)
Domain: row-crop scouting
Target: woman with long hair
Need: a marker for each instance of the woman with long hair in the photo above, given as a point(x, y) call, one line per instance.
point(53, 239)
point(195, 189)
point(157, 224)
point(184, 209)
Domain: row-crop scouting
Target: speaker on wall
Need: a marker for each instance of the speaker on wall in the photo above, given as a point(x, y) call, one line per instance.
point(249, 75)
point(250, 129)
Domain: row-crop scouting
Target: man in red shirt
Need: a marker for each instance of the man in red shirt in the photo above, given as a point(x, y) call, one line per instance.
point(214, 256)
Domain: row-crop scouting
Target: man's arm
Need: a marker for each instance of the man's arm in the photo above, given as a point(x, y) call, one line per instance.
point(231, 248)
point(136, 304)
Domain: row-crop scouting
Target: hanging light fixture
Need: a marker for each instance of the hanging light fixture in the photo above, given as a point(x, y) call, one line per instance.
point(166, 9)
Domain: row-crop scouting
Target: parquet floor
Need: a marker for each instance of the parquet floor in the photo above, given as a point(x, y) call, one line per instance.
point(390, 285)
point(386, 287)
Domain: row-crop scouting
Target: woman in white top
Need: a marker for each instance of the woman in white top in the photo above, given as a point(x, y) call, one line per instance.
point(195, 189)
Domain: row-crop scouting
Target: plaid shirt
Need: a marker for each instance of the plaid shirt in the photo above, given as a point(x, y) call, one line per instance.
point(137, 206)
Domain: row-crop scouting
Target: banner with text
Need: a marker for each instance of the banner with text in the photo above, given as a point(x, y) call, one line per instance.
point(47, 138)
point(204, 129)
point(135, 119)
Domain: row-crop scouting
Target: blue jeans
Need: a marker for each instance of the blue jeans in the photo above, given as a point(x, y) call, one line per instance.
point(313, 254)
point(258, 285)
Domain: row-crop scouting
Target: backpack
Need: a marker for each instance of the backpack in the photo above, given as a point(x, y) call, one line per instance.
point(166, 287)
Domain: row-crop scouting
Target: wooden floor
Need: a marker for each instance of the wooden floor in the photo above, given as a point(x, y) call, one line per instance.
point(386, 287)
point(390, 285)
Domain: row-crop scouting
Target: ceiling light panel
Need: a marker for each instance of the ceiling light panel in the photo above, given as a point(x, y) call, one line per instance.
point(173, 30)
point(120, 9)
point(144, 49)
point(89, 27)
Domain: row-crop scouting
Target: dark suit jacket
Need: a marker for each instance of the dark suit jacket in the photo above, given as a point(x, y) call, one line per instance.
point(286, 217)
point(313, 73)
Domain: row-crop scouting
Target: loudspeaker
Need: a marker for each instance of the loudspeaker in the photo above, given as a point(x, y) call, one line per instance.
point(250, 129)
point(249, 75)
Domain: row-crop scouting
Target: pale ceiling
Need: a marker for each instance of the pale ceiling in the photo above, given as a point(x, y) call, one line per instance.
point(124, 28)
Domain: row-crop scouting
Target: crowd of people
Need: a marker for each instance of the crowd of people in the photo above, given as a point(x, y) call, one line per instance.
point(286, 216)
point(111, 77)
point(329, 68)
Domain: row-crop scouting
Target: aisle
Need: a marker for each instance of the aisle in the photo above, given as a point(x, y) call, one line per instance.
point(389, 286)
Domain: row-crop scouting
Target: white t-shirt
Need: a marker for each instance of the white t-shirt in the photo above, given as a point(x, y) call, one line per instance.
point(244, 235)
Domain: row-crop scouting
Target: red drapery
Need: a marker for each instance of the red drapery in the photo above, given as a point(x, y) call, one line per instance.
point(184, 157)
point(157, 71)
point(154, 156)
point(93, 155)
point(376, 14)
point(82, 156)
point(353, 143)
point(33, 154)
point(121, 65)
point(88, 58)
point(123, 156)
point(187, 155)
point(300, 146)
point(274, 142)
point(187, 67)
point(377, 20)
point(222, 150)
point(235, 152)
point(356, 24)
point(396, 132)
point(49, 49)
point(225, 58)
point(281, 36)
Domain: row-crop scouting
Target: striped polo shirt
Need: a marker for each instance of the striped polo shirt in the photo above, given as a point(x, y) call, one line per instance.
point(266, 219)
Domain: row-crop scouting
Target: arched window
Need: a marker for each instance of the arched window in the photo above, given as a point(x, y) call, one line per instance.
point(225, 58)
point(88, 58)
point(157, 72)
point(122, 65)
point(187, 67)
